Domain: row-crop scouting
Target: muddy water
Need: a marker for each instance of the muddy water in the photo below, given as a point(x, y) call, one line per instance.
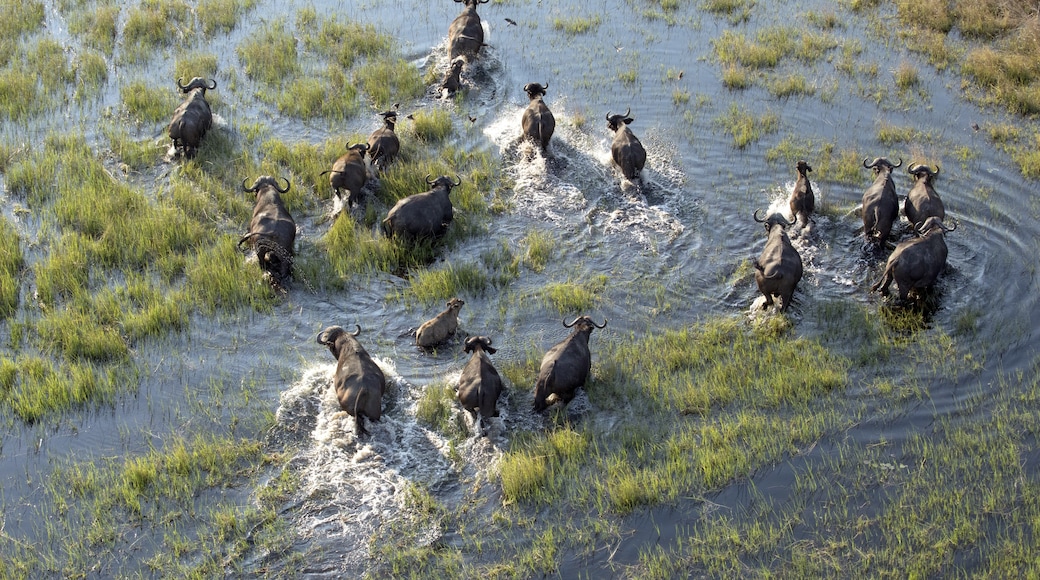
point(687, 229)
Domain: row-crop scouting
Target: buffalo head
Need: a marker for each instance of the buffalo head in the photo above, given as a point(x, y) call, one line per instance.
point(615, 122)
point(535, 90)
point(265, 180)
point(772, 220)
point(197, 83)
point(880, 163)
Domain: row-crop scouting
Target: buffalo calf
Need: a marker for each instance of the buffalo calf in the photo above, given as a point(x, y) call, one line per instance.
point(437, 329)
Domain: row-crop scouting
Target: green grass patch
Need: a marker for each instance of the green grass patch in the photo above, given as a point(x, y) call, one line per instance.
point(575, 25)
point(390, 80)
point(575, 297)
point(221, 16)
point(431, 125)
point(269, 55)
point(343, 42)
point(148, 104)
point(537, 249)
point(97, 26)
point(736, 11)
point(789, 85)
point(745, 127)
point(11, 262)
point(153, 24)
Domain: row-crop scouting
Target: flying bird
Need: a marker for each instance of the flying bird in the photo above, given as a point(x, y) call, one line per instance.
point(511, 21)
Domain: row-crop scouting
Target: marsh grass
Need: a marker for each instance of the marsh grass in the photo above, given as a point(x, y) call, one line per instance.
point(537, 249)
point(270, 56)
point(148, 104)
point(221, 16)
point(431, 125)
point(790, 85)
point(21, 18)
point(576, 25)
point(97, 25)
point(432, 286)
point(155, 23)
point(333, 97)
point(344, 43)
point(745, 127)
point(437, 409)
point(390, 80)
point(906, 76)
point(735, 11)
point(197, 64)
point(11, 262)
point(574, 297)
point(890, 135)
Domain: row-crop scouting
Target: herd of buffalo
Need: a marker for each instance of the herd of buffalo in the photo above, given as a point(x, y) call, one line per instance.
point(359, 383)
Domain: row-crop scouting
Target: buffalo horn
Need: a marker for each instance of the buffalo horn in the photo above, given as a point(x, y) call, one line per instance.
point(180, 84)
point(244, 188)
point(757, 219)
point(628, 112)
point(575, 321)
point(428, 182)
point(280, 190)
point(604, 325)
point(949, 229)
point(213, 84)
point(608, 115)
point(545, 87)
point(356, 332)
point(458, 180)
point(872, 163)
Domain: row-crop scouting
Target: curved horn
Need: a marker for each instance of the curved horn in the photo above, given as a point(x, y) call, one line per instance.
point(356, 332)
point(575, 321)
point(604, 325)
point(628, 112)
point(428, 182)
point(900, 164)
point(951, 228)
point(527, 88)
point(757, 219)
point(936, 169)
point(872, 163)
point(458, 180)
point(180, 84)
point(608, 115)
point(912, 167)
point(280, 190)
point(213, 84)
point(784, 221)
point(244, 188)
point(545, 87)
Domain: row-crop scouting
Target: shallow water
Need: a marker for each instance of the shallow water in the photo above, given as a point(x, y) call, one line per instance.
point(687, 228)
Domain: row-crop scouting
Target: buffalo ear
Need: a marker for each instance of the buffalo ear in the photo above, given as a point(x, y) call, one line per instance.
point(628, 120)
point(490, 350)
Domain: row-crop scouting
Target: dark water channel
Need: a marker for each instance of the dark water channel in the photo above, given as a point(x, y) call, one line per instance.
point(688, 232)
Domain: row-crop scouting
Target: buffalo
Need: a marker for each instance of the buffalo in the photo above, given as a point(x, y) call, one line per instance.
point(272, 231)
point(466, 34)
point(423, 215)
point(538, 121)
point(452, 78)
point(922, 202)
point(349, 173)
point(359, 382)
point(566, 365)
point(779, 268)
point(383, 143)
point(479, 383)
point(626, 150)
point(880, 204)
point(802, 202)
point(916, 264)
point(192, 118)
point(437, 329)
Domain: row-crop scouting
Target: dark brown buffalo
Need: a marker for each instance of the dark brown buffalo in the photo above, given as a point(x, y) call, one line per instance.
point(626, 150)
point(466, 34)
point(566, 366)
point(193, 118)
point(916, 264)
point(359, 382)
point(452, 78)
point(349, 173)
point(880, 204)
point(437, 329)
point(479, 383)
point(383, 143)
point(272, 231)
point(802, 202)
point(538, 121)
point(779, 268)
point(922, 202)
point(424, 215)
